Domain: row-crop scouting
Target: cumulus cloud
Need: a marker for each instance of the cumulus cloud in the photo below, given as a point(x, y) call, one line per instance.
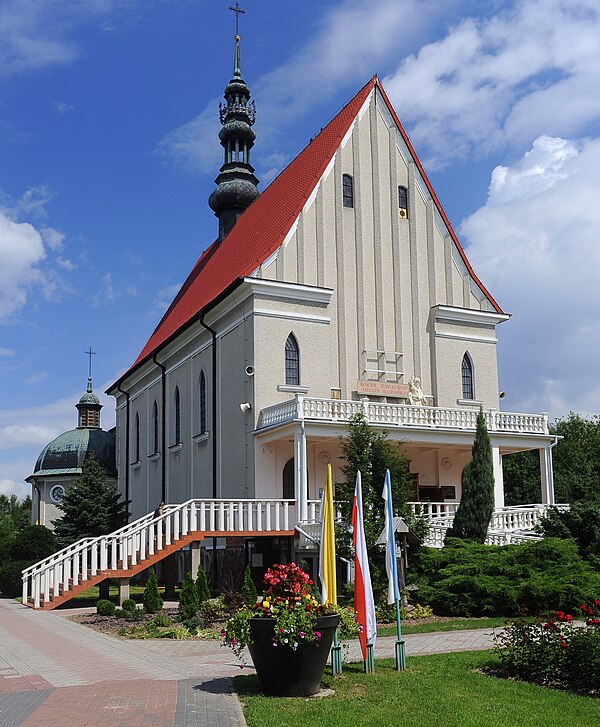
point(351, 40)
point(29, 252)
point(503, 79)
point(535, 243)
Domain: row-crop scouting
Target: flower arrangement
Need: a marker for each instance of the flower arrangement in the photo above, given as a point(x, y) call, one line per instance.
point(289, 602)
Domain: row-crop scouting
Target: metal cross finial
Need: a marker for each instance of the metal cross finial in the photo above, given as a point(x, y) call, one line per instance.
point(90, 353)
point(238, 11)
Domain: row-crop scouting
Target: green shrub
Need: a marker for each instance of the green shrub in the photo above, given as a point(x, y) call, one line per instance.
point(188, 598)
point(11, 578)
point(105, 608)
point(212, 610)
point(152, 599)
point(33, 543)
point(161, 620)
point(129, 605)
point(468, 579)
point(553, 652)
point(249, 592)
point(202, 585)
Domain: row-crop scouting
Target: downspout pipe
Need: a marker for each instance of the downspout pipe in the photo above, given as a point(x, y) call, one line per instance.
point(213, 334)
point(163, 376)
point(127, 445)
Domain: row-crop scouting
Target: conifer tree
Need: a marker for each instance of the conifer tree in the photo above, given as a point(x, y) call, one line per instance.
point(91, 507)
point(249, 592)
point(202, 585)
point(188, 598)
point(472, 517)
point(151, 598)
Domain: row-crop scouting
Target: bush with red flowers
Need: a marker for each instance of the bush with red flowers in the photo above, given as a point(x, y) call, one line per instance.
point(559, 651)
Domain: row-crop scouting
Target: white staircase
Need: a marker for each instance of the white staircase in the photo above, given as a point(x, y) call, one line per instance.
point(143, 543)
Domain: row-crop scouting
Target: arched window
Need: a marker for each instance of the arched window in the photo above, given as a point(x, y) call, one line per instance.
point(403, 202)
point(202, 401)
point(155, 428)
point(348, 190)
point(468, 391)
point(292, 361)
point(136, 438)
point(177, 417)
point(288, 480)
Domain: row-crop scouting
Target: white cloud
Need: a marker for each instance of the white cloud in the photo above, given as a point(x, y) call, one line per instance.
point(352, 39)
point(62, 107)
point(30, 254)
point(528, 70)
point(535, 244)
point(12, 487)
point(21, 251)
point(7, 352)
point(18, 435)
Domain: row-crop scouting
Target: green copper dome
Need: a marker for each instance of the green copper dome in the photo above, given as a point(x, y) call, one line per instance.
point(66, 454)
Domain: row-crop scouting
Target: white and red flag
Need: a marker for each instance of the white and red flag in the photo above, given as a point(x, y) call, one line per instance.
point(364, 605)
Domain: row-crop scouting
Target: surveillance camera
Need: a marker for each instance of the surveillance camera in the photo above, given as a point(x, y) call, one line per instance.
point(249, 370)
point(502, 394)
point(246, 406)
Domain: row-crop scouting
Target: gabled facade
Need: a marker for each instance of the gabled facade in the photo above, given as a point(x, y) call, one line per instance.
point(341, 288)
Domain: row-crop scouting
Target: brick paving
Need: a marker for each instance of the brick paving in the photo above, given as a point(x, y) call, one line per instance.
point(56, 672)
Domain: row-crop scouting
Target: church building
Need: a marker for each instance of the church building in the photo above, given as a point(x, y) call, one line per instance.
point(340, 288)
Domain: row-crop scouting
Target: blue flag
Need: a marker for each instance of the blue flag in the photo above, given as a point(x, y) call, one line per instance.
point(390, 542)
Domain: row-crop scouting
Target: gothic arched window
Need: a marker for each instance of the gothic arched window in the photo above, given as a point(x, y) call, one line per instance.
point(177, 417)
point(403, 202)
point(155, 428)
point(202, 402)
point(136, 438)
point(468, 391)
point(347, 190)
point(292, 361)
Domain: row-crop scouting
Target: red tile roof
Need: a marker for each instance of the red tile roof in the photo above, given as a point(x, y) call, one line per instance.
point(262, 228)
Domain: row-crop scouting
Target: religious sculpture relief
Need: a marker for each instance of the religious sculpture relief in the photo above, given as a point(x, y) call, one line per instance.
point(416, 397)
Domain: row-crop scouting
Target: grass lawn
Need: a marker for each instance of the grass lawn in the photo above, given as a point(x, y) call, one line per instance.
point(442, 690)
point(455, 624)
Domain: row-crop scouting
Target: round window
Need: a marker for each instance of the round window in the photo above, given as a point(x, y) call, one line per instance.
point(57, 493)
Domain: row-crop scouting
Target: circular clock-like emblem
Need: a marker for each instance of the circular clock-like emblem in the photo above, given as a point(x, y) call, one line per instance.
point(57, 493)
point(446, 463)
point(325, 457)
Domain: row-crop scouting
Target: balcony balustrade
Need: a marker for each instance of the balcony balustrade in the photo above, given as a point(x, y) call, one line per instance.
point(399, 415)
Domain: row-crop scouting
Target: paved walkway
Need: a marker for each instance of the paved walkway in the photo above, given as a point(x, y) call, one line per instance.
point(56, 672)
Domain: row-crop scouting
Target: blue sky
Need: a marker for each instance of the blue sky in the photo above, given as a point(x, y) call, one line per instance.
point(108, 151)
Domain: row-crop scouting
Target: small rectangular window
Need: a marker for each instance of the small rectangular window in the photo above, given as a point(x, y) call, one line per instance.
point(348, 190)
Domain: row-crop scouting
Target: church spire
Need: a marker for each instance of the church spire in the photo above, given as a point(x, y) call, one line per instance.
point(236, 183)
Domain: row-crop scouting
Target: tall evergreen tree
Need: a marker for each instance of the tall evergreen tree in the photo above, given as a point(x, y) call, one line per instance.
point(92, 507)
point(370, 451)
point(473, 515)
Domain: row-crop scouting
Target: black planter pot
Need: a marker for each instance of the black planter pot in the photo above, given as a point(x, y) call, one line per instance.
point(283, 671)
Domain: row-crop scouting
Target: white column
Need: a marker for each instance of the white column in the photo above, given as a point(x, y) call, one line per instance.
point(498, 477)
point(300, 477)
point(547, 475)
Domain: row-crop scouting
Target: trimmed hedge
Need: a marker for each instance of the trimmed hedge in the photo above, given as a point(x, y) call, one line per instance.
point(468, 579)
point(11, 577)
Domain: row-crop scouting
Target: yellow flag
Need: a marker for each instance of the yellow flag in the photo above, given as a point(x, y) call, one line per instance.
point(327, 551)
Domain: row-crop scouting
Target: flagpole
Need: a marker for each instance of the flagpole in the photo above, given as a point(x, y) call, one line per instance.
point(327, 570)
point(400, 643)
point(392, 569)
